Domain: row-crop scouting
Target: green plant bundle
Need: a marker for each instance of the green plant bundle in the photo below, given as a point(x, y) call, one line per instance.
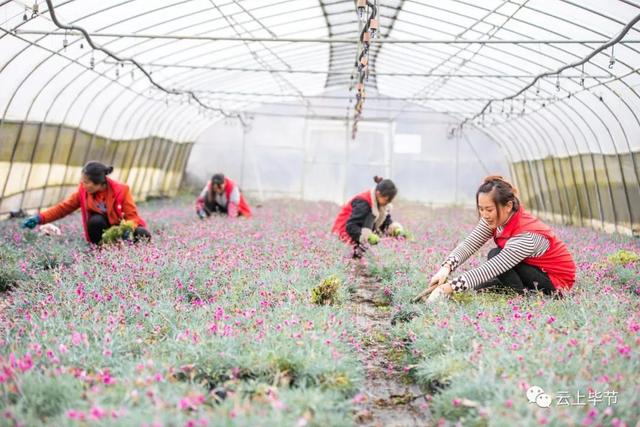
point(115, 233)
point(623, 257)
point(326, 292)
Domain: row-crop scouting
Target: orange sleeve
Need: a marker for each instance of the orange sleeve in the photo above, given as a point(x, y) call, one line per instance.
point(129, 208)
point(62, 209)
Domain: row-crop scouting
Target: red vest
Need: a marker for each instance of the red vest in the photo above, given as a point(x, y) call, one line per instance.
point(556, 261)
point(340, 224)
point(229, 185)
point(118, 189)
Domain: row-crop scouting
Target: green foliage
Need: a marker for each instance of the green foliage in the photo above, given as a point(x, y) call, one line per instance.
point(623, 257)
point(46, 397)
point(326, 292)
point(403, 316)
point(119, 232)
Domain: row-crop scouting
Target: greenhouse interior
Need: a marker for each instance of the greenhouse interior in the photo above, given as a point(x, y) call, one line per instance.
point(320, 212)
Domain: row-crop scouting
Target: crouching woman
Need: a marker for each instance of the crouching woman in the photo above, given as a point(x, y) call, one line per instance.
point(366, 216)
point(528, 256)
point(103, 202)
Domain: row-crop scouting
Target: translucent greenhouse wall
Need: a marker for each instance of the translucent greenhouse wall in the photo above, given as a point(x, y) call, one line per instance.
point(314, 159)
point(40, 163)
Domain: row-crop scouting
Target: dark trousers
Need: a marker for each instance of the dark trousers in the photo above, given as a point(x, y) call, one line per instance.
point(213, 207)
point(97, 224)
point(522, 276)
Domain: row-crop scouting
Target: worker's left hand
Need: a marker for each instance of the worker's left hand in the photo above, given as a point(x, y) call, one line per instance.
point(31, 222)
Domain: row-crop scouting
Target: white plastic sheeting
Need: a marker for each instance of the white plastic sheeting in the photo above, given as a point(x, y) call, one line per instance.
point(439, 63)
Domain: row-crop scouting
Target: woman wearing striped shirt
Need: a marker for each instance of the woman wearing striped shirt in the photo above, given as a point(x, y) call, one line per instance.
point(529, 255)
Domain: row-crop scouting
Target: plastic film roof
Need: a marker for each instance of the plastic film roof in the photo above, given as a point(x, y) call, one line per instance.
point(199, 61)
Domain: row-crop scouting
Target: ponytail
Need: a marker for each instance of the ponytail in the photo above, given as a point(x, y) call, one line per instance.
point(386, 187)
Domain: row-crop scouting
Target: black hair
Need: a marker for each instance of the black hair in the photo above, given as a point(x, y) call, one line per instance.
point(386, 187)
point(217, 179)
point(501, 191)
point(97, 172)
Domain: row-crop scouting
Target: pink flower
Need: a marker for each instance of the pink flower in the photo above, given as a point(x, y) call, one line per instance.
point(359, 398)
point(624, 350)
point(456, 402)
point(97, 413)
point(508, 403)
point(76, 415)
point(108, 379)
point(550, 320)
point(26, 363)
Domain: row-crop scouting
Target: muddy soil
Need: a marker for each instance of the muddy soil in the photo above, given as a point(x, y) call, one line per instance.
point(387, 397)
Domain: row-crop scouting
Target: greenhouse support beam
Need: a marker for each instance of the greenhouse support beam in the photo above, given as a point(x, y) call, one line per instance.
point(315, 40)
point(392, 74)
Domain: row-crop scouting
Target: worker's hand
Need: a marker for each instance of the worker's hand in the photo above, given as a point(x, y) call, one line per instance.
point(446, 288)
point(202, 214)
point(434, 292)
point(401, 232)
point(31, 222)
point(441, 276)
point(373, 239)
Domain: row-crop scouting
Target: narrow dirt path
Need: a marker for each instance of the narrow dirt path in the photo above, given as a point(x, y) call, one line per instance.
point(386, 399)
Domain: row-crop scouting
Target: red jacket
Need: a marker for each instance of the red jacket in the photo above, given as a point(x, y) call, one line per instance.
point(229, 185)
point(116, 196)
point(556, 261)
point(340, 224)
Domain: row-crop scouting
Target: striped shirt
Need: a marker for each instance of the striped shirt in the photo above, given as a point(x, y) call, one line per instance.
point(516, 249)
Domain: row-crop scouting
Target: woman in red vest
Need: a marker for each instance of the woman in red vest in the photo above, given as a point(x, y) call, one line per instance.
point(103, 202)
point(367, 215)
point(529, 256)
point(221, 195)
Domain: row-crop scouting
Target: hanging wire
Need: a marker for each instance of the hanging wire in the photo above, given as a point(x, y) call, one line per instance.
point(135, 63)
point(587, 58)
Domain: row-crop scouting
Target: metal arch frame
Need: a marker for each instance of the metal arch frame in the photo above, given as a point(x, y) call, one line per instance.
point(439, 83)
point(589, 127)
point(520, 133)
point(593, 133)
point(55, 75)
point(126, 59)
point(581, 216)
point(546, 29)
point(624, 180)
point(257, 57)
point(606, 126)
point(2, 120)
point(160, 119)
point(579, 156)
point(555, 158)
point(531, 166)
point(27, 76)
point(520, 148)
point(498, 138)
point(546, 139)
